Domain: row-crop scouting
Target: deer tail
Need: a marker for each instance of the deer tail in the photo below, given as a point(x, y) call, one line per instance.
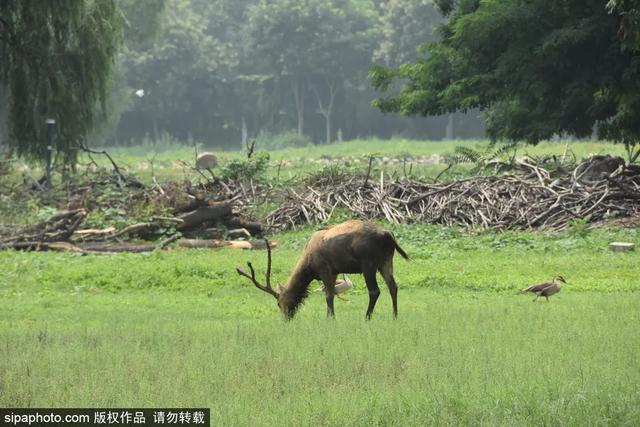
point(399, 249)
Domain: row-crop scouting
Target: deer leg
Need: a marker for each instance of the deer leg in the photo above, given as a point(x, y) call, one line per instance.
point(374, 290)
point(329, 289)
point(387, 274)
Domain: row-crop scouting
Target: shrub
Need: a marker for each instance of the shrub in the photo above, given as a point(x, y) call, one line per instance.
point(253, 168)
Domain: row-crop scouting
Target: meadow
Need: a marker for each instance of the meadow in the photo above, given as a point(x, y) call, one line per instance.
point(181, 328)
point(163, 158)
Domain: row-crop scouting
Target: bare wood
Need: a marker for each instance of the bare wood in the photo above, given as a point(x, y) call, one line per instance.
point(167, 241)
point(109, 247)
point(95, 231)
point(132, 229)
point(191, 205)
point(133, 180)
point(212, 244)
point(167, 218)
point(621, 246)
point(252, 227)
point(238, 232)
point(216, 211)
point(40, 246)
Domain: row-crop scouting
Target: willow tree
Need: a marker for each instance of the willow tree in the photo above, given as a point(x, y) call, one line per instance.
point(57, 56)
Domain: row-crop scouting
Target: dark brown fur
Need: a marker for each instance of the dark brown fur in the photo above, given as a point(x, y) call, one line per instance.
point(351, 247)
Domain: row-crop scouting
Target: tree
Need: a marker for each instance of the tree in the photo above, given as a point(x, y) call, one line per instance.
point(628, 13)
point(536, 69)
point(57, 59)
point(187, 73)
point(313, 45)
point(405, 25)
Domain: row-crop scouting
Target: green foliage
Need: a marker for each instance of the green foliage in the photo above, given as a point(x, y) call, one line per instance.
point(57, 60)
point(252, 168)
point(142, 21)
point(628, 13)
point(537, 69)
point(404, 25)
point(277, 141)
point(494, 157)
point(579, 227)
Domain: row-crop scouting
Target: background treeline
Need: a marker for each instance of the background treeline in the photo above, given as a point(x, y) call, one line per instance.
point(222, 71)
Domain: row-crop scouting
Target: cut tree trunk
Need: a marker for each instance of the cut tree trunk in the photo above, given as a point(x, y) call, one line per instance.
point(215, 212)
point(237, 244)
point(191, 205)
point(203, 233)
point(252, 227)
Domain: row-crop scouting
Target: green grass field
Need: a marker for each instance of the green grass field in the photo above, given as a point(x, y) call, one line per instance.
point(180, 328)
point(290, 163)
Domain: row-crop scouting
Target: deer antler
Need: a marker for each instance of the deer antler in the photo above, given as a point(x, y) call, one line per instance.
point(268, 289)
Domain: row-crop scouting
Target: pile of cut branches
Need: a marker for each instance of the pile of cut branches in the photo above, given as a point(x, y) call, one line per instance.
point(532, 197)
point(148, 218)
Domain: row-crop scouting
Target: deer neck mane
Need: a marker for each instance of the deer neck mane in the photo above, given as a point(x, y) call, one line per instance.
point(297, 288)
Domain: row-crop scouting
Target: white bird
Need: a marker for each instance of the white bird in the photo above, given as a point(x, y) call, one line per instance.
point(342, 285)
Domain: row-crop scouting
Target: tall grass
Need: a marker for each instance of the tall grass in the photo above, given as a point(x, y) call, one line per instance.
point(464, 360)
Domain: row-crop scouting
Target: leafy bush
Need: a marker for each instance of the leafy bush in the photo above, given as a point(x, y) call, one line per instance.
point(278, 141)
point(253, 168)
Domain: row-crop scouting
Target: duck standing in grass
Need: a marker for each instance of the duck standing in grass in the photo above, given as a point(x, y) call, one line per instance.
point(546, 289)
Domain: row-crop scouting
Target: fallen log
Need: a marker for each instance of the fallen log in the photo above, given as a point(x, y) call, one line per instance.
point(41, 246)
point(132, 229)
point(252, 227)
point(215, 212)
point(116, 247)
point(189, 206)
point(94, 231)
point(236, 244)
point(210, 233)
point(238, 233)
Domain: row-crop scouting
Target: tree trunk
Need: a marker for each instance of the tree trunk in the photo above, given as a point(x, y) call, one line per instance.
point(298, 93)
point(327, 110)
point(154, 125)
point(449, 130)
point(327, 119)
point(245, 133)
point(214, 212)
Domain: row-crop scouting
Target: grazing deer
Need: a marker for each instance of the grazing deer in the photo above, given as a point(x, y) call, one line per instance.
point(351, 247)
